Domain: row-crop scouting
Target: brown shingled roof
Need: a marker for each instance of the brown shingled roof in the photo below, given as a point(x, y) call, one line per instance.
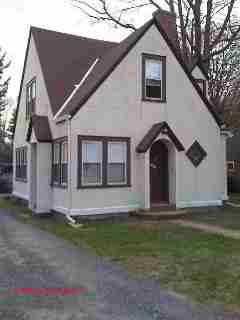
point(64, 60)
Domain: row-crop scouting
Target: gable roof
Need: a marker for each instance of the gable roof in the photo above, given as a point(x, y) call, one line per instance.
point(156, 129)
point(64, 60)
point(110, 61)
point(41, 128)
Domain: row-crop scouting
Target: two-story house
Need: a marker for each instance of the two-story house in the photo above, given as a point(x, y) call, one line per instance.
point(107, 127)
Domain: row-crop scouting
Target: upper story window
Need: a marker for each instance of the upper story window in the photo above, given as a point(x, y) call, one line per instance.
point(202, 85)
point(31, 98)
point(153, 78)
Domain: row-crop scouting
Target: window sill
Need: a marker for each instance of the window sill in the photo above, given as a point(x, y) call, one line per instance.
point(105, 186)
point(59, 186)
point(153, 100)
point(21, 180)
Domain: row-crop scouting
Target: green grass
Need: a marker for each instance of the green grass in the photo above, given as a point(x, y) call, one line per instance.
point(226, 216)
point(234, 197)
point(202, 265)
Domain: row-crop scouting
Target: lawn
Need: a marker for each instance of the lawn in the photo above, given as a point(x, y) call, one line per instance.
point(226, 216)
point(202, 265)
point(234, 197)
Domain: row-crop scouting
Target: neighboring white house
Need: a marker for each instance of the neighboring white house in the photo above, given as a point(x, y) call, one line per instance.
point(108, 127)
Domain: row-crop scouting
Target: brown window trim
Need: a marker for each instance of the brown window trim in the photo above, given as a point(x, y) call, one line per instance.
point(18, 168)
point(146, 56)
point(232, 162)
point(104, 140)
point(203, 82)
point(59, 183)
point(33, 101)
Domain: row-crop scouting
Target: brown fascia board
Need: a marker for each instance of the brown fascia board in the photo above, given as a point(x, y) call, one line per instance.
point(21, 83)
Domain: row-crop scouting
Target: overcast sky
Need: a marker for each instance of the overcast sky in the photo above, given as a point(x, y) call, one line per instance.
point(59, 15)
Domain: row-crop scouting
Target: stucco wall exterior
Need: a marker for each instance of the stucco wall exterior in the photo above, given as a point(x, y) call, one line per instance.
point(116, 109)
point(45, 193)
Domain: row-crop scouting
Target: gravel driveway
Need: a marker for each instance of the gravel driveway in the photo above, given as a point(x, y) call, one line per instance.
point(32, 258)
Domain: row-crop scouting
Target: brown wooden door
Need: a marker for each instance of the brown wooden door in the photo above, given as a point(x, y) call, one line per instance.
point(159, 173)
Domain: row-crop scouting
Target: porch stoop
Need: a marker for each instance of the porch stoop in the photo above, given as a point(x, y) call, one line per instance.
point(160, 213)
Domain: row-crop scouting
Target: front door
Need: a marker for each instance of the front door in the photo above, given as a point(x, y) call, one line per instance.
point(159, 173)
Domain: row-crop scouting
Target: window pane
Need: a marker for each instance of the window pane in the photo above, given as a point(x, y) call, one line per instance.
point(116, 173)
point(56, 153)
point(91, 173)
point(92, 151)
point(29, 94)
point(153, 91)
point(33, 90)
point(64, 173)
point(92, 159)
point(117, 152)
point(64, 152)
point(153, 69)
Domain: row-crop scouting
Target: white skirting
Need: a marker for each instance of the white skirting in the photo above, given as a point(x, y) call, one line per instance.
point(20, 195)
point(93, 211)
point(189, 204)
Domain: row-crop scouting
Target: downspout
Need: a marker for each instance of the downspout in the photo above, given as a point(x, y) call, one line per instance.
point(69, 131)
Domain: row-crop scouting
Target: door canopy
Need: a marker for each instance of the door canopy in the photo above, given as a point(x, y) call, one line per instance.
point(152, 134)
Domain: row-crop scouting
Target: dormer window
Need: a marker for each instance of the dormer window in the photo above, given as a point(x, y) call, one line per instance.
point(31, 98)
point(154, 78)
point(202, 84)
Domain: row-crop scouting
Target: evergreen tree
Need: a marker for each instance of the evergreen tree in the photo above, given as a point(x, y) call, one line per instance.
point(11, 124)
point(4, 83)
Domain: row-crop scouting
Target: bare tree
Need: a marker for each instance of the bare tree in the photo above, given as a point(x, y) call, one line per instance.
point(198, 21)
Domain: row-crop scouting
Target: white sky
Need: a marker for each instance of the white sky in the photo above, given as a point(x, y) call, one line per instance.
point(59, 15)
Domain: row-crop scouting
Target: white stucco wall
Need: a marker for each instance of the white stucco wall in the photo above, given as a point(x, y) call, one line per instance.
point(43, 107)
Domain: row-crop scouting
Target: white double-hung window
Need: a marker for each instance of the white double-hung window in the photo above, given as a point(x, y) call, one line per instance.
point(117, 162)
point(154, 78)
point(91, 162)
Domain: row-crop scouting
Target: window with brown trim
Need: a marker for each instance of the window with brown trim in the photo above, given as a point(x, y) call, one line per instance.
point(202, 84)
point(153, 78)
point(21, 164)
point(30, 98)
point(230, 166)
point(60, 162)
point(103, 161)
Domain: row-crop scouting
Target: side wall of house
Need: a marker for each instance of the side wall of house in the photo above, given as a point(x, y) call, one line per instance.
point(45, 194)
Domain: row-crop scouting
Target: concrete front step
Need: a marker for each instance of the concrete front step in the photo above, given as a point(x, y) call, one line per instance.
point(160, 215)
